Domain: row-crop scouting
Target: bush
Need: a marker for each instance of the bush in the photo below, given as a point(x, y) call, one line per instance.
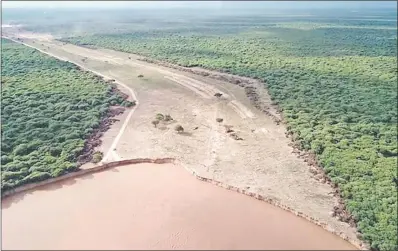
point(179, 128)
point(159, 116)
point(97, 157)
point(168, 118)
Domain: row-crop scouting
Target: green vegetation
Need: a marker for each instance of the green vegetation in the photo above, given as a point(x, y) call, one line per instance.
point(159, 116)
point(49, 109)
point(335, 80)
point(97, 157)
point(332, 72)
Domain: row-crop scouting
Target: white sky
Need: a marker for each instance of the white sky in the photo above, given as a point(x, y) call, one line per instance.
point(102, 4)
point(212, 4)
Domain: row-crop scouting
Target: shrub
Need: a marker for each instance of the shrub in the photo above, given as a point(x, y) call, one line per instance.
point(159, 116)
point(179, 128)
point(168, 118)
point(97, 157)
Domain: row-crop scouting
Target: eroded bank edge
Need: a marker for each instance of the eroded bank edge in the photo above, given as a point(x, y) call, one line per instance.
point(94, 139)
point(356, 243)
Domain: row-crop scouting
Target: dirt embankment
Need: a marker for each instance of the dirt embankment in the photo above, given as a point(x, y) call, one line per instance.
point(94, 139)
point(255, 90)
point(359, 245)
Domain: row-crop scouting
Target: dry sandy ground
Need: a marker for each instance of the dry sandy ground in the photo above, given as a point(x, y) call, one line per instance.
point(262, 162)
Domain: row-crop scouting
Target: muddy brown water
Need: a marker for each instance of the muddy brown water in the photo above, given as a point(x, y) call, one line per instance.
point(149, 206)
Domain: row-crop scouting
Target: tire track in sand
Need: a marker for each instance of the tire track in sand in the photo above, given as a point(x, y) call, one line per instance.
point(242, 110)
point(204, 90)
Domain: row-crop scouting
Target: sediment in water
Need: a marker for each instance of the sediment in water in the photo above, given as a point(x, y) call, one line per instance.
point(114, 164)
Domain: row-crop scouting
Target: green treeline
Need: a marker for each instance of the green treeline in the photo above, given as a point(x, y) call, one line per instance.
point(335, 82)
point(48, 109)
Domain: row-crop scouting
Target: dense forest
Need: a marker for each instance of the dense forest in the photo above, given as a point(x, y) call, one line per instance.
point(49, 108)
point(334, 79)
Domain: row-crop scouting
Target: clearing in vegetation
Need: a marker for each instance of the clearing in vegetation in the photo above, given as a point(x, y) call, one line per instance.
point(332, 74)
point(334, 80)
point(52, 115)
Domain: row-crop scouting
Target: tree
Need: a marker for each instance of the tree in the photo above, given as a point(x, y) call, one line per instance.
point(155, 123)
point(159, 116)
point(179, 128)
point(219, 120)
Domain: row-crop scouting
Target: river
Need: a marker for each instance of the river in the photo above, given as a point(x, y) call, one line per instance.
point(149, 206)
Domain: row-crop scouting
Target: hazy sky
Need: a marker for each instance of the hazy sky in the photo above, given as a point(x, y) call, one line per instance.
point(102, 4)
point(211, 4)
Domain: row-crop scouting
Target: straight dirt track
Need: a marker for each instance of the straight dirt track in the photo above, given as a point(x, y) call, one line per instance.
point(261, 163)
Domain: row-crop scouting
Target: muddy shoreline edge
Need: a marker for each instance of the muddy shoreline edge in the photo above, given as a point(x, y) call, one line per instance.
point(81, 172)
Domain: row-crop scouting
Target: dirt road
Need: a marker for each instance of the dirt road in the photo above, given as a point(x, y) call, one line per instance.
point(261, 162)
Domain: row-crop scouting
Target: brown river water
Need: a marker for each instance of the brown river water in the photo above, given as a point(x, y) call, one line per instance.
point(149, 206)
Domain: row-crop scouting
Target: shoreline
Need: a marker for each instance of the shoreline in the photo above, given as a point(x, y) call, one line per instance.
point(81, 172)
point(110, 165)
point(250, 89)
